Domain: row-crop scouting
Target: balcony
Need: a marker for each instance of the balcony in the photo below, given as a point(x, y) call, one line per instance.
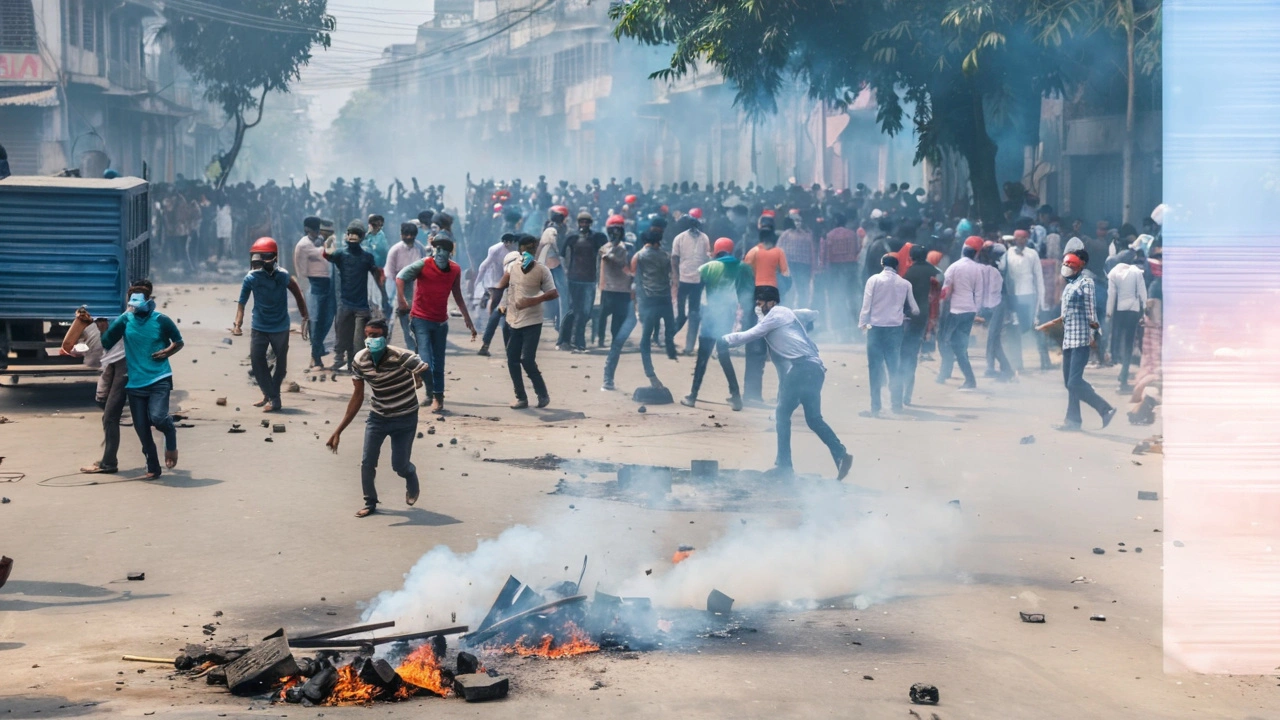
point(126, 77)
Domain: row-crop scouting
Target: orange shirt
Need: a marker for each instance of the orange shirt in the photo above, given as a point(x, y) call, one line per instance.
point(766, 263)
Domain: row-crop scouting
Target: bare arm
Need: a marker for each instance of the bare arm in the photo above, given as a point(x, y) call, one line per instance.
point(239, 321)
point(353, 407)
point(457, 298)
point(302, 308)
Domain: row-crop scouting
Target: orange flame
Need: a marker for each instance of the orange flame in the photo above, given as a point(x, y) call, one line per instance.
point(421, 670)
point(578, 643)
point(351, 690)
point(287, 682)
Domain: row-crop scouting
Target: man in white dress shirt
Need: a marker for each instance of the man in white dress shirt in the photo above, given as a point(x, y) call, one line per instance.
point(1126, 299)
point(883, 312)
point(964, 286)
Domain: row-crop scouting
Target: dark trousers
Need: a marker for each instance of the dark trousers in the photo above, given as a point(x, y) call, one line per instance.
point(401, 430)
point(620, 335)
point(432, 337)
point(573, 328)
point(1079, 390)
point(689, 295)
point(150, 409)
point(269, 379)
point(840, 282)
point(912, 340)
point(884, 357)
point(615, 308)
point(995, 340)
point(522, 352)
point(348, 335)
point(653, 310)
point(802, 387)
point(322, 313)
point(956, 340)
point(115, 376)
point(1124, 325)
point(493, 297)
point(705, 346)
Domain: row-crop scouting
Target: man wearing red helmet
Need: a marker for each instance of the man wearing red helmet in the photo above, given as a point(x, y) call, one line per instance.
point(270, 286)
point(690, 250)
point(1079, 321)
point(615, 283)
point(964, 287)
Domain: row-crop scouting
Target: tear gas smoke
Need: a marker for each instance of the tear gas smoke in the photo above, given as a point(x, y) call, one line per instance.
point(842, 545)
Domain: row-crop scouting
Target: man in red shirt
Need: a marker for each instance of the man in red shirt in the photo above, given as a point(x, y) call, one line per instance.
point(435, 278)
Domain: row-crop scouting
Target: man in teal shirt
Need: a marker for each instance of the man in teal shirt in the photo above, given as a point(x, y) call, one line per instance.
point(377, 244)
point(150, 338)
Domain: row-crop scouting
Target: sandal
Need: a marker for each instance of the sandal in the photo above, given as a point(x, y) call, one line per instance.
point(365, 512)
point(410, 499)
point(96, 468)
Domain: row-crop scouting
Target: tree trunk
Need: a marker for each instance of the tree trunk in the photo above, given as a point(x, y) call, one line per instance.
point(229, 158)
point(980, 153)
point(1127, 183)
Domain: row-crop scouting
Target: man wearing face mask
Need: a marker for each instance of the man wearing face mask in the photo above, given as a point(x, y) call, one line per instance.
point(434, 280)
point(150, 338)
point(528, 285)
point(1079, 320)
point(405, 253)
point(355, 265)
point(728, 283)
point(579, 253)
point(270, 286)
point(391, 373)
point(309, 262)
point(652, 270)
point(780, 327)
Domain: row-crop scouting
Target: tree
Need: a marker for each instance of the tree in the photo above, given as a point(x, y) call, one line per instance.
point(240, 50)
point(962, 65)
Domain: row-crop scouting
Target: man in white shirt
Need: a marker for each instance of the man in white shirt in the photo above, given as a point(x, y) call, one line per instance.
point(488, 275)
point(883, 312)
point(690, 250)
point(1126, 299)
point(549, 254)
point(964, 286)
point(400, 256)
point(528, 286)
point(781, 329)
point(309, 262)
point(1022, 270)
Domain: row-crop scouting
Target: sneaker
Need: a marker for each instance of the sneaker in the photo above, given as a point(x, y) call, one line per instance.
point(1107, 416)
point(483, 351)
point(543, 401)
point(689, 401)
point(735, 402)
point(608, 386)
point(843, 467)
point(520, 405)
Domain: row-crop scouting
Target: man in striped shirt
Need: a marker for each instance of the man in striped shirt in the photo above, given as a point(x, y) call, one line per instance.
point(392, 374)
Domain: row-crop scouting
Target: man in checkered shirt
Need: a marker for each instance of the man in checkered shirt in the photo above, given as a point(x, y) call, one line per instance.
point(1079, 319)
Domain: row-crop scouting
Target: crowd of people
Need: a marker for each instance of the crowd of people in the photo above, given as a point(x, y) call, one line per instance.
point(773, 271)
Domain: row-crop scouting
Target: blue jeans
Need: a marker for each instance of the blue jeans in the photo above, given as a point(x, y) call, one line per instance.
point(560, 307)
point(689, 295)
point(431, 340)
point(150, 409)
point(401, 430)
point(912, 339)
point(322, 313)
point(493, 297)
point(884, 352)
point(651, 311)
point(802, 387)
point(1079, 390)
point(405, 326)
point(956, 338)
point(628, 318)
point(573, 327)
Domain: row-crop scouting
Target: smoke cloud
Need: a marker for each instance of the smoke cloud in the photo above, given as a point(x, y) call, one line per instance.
point(838, 545)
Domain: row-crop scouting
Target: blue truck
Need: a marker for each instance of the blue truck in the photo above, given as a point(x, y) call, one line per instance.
point(65, 243)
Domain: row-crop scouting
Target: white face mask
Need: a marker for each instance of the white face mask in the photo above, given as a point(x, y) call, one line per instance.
point(1067, 272)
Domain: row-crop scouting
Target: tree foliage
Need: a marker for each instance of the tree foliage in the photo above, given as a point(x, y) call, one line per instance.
point(959, 65)
point(240, 50)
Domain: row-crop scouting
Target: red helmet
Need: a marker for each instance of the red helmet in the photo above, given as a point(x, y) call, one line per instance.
point(723, 245)
point(973, 241)
point(696, 213)
point(767, 213)
point(630, 199)
point(264, 245)
point(560, 210)
point(615, 221)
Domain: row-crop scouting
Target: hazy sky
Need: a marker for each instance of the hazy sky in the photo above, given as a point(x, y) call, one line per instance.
point(363, 31)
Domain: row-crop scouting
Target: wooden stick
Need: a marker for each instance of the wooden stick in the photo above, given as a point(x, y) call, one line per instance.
point(139, 658)
point(480, 636)
point(312, 644)
point(349, 631)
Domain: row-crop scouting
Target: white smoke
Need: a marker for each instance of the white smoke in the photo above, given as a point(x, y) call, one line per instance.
point(842, 545)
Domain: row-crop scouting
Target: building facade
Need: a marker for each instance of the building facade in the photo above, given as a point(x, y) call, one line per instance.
point(90, 85)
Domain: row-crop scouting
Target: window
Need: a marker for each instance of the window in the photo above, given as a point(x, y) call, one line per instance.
point(73, 22)
point(17, 26)
point(89, 36)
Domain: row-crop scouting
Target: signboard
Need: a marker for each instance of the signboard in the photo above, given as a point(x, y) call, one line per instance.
point(22, 67)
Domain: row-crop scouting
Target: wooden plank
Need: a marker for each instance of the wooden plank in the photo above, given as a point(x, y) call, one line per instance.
point(348, 631)
point(266, 663)
point(480, 636)
point(325, 643)
point(505, 597)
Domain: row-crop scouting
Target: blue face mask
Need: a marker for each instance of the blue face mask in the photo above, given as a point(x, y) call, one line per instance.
point(376, 345)
point(140, 304)
point(442, 258)
point(526, 260)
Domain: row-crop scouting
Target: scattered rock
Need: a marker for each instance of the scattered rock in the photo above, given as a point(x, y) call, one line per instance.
point(226, 341)
point(431, 429)
point(468, 664)
point(278, 428)
point(1028, 440)
point(265, 423)
point(453, 441)
point(4, 501)
point(235, 428)
point(922, 694)
point(718, 602)
point(1031, 617)
point(476, 687)
point(642, 409)
point(136, 576)
point(293, 387)
point(1098, 618)
point(1099, 551)
point(419, 435)
point(220, 402)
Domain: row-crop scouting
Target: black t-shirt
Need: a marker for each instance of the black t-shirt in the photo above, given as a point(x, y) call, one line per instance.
point(581, 253)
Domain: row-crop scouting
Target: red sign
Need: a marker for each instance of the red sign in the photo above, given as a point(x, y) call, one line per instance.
point(21, 67)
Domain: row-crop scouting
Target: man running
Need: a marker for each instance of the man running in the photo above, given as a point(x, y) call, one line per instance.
point(528, 286)
point(728, 282)
point(270, 286)
point(433, 281)
point(150, 339)
point(391, 374)
point(781, 329)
